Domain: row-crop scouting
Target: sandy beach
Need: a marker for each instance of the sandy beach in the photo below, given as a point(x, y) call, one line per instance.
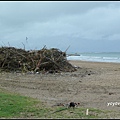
point(93, 85)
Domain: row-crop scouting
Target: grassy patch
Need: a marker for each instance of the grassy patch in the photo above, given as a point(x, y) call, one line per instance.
point(61, 112)
point(17, 106)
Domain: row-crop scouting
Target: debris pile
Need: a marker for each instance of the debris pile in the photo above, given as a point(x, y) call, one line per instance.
point(48, 60)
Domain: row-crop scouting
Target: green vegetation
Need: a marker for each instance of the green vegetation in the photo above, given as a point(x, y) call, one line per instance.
point(17, 106)
point(61, 112)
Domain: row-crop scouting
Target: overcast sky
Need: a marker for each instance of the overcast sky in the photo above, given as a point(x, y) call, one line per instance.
point(85, 26)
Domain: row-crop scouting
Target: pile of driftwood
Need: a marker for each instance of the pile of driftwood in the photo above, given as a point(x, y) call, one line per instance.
point(48, 60)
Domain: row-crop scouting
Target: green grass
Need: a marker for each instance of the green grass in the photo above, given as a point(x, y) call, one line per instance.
point(17, 106)
point(61, 112)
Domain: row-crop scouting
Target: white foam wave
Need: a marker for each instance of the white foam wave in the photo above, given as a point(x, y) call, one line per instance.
point(95, 58)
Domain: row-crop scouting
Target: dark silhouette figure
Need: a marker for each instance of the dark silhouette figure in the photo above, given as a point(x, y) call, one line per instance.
point(72, 104)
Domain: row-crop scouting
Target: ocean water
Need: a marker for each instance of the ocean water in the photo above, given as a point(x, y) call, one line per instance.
point(97, 57)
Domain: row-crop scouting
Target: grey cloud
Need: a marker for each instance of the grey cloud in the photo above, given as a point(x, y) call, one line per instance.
point(60, 24)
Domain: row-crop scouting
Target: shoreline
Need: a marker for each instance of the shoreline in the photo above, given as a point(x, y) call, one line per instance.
point(114, 58)
point(92, 62)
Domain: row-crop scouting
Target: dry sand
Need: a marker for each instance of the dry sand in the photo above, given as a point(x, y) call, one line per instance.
point(94, 85)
